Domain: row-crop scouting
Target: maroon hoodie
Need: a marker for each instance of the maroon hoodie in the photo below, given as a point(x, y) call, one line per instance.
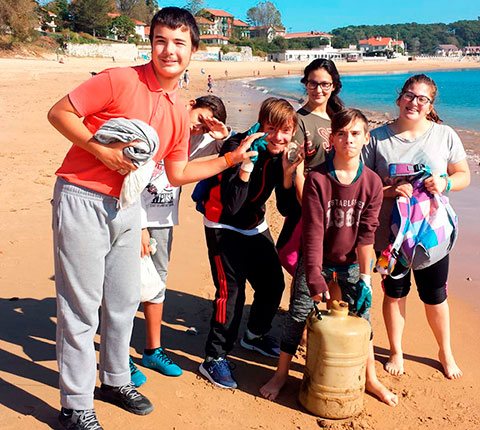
point(337, 218)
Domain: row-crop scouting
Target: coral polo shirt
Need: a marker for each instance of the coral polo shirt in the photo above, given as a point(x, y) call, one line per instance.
point(132, 93)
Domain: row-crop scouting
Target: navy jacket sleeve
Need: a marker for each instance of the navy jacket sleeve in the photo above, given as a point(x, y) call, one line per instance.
point(287, 203)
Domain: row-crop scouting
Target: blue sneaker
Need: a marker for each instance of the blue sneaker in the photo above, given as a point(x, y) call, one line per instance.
point(218, 372)
point(160, 361)
point(265, 344)
point(136, 376)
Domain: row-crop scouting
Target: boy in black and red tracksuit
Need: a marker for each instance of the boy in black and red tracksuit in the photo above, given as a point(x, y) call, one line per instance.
point(239, 243)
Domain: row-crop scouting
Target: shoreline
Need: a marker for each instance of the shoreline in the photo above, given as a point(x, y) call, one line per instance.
point(470, 138)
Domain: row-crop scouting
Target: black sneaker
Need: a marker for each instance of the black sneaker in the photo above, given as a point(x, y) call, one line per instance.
point(79, 420)
point(126, 397)
point(265, 344)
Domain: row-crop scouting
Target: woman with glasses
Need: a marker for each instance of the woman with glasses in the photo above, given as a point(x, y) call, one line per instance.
point(417, 136)
point(322, 84)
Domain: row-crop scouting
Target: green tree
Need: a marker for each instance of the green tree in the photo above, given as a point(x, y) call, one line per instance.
point(194, 6)
point(17, 17)
point(467, 32)
point(61, 9)
point(279, 44)
point(152, 6)
point(122, 26)
point(264, 13)
point(135, 9)
point(91, 16)
point(339, 42)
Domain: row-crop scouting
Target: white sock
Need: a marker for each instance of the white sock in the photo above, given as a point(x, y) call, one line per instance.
point(251, 335)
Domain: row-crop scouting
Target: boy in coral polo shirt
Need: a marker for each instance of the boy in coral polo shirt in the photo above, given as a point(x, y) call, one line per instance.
point(96, 246)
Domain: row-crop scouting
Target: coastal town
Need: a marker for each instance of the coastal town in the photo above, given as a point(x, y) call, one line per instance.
point(225, 37)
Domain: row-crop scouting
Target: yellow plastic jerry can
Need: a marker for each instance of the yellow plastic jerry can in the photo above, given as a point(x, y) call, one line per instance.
point(337, 351)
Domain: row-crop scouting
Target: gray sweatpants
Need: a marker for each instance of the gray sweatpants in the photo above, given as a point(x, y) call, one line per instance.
point(164, 238)
point(97, 263)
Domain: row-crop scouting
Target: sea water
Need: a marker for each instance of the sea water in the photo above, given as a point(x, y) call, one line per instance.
point(457, 103)
point(242, 104)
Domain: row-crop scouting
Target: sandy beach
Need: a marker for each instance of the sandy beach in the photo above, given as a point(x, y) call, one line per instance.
point(31, 151)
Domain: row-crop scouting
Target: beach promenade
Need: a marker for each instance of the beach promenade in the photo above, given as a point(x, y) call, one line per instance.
point(31, 151)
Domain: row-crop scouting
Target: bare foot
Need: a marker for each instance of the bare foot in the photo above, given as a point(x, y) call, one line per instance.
point(394, 365)
point(452, 371)
point(271, 389)
point(379, 390)
point(303, 341)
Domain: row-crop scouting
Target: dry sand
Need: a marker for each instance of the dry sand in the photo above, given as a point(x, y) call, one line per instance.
point(30, 153)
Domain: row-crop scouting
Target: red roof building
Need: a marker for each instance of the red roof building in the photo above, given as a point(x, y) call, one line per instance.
point(140, 26)
point(471, 50)
point(241, 29)
point(219, 13)
point(374, 44)
point(267, 31)
point(220, 23)
point(447, 50)
point(240, 23)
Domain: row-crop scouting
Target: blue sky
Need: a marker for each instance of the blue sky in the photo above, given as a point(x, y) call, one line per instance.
point(326, 15)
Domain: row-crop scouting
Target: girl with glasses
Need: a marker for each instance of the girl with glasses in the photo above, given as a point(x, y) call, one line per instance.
point(417, 136)
point(322, 84)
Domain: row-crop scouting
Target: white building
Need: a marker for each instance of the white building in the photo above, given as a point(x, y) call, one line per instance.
point(139, 28)
point(447, 51)
point(306, 55)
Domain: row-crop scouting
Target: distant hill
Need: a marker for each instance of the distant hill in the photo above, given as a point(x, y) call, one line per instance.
point(420, 38)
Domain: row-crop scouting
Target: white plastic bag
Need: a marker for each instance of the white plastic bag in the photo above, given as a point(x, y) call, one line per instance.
point(150, 282)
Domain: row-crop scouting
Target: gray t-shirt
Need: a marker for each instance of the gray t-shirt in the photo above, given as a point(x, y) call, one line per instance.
point(313, 132)
point(437, 148)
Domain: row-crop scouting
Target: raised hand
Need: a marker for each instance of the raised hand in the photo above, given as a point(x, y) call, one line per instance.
point(242, 152)
point(216, 129)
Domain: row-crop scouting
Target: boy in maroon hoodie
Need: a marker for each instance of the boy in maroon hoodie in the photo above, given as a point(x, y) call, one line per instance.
point(341, 202)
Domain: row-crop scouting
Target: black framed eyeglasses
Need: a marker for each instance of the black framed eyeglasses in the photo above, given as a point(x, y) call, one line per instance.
point(421, 100)
point(313, 85)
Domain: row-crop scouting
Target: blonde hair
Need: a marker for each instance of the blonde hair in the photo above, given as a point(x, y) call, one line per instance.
point(277, 112)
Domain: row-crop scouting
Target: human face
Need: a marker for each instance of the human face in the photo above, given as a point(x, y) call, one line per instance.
point(350, 140)
point(278, 137)
point(197, 126)
point(411, 109)
point(171, 53)
point(318, 96)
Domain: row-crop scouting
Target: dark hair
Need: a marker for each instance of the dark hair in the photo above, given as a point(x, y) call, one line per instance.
point(427, 80)
point(173, 18)
point(334, 103)
point(213, 103)
point(344, 117)
point(277, 112)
